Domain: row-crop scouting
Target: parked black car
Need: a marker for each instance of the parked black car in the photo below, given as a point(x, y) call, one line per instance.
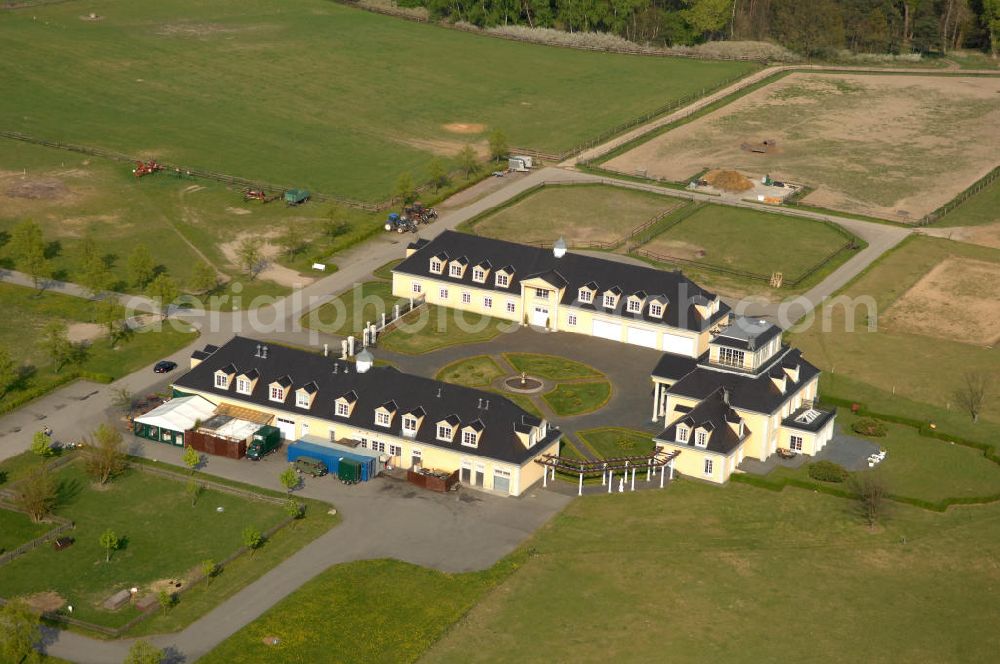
point(164, 366)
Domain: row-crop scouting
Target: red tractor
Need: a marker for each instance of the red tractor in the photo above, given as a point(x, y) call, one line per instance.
point(259, 195)
point(145, 168)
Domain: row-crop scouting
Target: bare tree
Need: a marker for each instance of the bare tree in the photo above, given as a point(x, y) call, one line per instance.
point(871, 492)
point(974, 391)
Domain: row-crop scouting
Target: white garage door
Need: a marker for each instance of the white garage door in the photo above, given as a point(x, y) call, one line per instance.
point(540, 317)
point(673, 343)
point(287, 427)
point(606, 330)
point(641, 337)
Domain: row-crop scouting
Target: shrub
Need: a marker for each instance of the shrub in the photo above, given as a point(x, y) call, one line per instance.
point(828, 471)
point(868, 426)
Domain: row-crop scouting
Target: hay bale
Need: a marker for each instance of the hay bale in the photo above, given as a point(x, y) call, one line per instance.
point(729, 181)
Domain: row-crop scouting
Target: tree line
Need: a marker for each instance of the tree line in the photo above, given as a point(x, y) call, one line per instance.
point(813, 28)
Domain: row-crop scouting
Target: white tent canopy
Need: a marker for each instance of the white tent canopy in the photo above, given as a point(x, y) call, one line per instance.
point(179, 414)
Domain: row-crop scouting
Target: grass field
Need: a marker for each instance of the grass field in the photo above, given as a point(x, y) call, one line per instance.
point(353, 100)
point(920, 467)
point(737, 552)
point(550, 366)
point(616, 442)
point(431, 328)
point(355, 307)
point(983, 209)
point(182, 222)
point(747, 241)
point(17, 528)
point(27, 314)
point(900, 357)
point(578, 398)
point(578, 213)
point(479, 371)
point(150, 513)
point(889, 146)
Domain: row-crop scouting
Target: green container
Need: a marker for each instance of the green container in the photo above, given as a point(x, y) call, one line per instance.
point(296, 196)
point(349, 471)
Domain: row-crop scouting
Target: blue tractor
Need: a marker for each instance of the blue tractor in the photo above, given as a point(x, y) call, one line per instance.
point(399, 224)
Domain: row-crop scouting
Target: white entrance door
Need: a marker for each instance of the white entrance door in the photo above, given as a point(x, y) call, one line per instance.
point(287, 427)
point(606, 330)
point(675, 343)
point(540, 317)
point(641, 337)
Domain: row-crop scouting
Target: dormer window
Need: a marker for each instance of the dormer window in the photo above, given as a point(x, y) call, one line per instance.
point(456, 270)
point(302, 399)
point(243, 385)
point(682, 434)
point(731, 357)
point(344, 405)
point(437, 266)
point(277, 393)
point(343, 409)
point(222, 380)
point(610, 300)
point(410, 425)
point(383, 419)
point(470, 438)
point(444, 432)
point(478, 275)
point(503, 279)
point(634, 305)
point(586, 295)
point(656, 310)
point(701, 439)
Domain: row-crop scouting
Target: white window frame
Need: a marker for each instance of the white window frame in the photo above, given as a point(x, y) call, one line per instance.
point(701, 439)
point(795, 443)
point(503, 279)
point(443, 293)
point(541, 293)
point(455, 270)
point(470, 438)
point(634, 306)
point(571, 319)
point(343, 409)
point(466, 298)
point(586, 295)
point(383, 419)
point(222, 381)
point(410, 424)
point(276, 393)
point(441, 435)
point(656, 309)
point(709, 466)
point(487, 302)
point(511, 307)
point(728, 357)
point(609, 300)
point(436, 266)
point(302, 399)
point(417, 288)
point(243, 385)
point(478, 274)
point(395, 450)
point(682, 434)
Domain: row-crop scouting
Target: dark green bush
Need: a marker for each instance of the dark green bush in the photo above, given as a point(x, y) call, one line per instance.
point(868, 426)
point(828, 471)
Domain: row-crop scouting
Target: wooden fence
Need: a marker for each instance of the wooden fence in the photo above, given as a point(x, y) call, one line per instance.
point(974, 189)
point(62, 526)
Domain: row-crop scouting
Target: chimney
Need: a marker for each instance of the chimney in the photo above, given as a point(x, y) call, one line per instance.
point(725, 395)
point(439, 393)
point(559, 248)
point(257, 354)
point(263, 350)
point(326, 350)
point(336, 368)
point(487, 406)
point(364, 361)
point(479, 406)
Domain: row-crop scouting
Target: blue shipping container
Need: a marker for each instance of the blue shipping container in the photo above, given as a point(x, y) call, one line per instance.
point(328, 456)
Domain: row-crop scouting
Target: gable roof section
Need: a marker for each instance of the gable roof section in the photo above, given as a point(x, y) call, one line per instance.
point(712, 415)
point(747, 333)
point(572, 271)
point(674, 367)
point(375, 387)
point(753, 392)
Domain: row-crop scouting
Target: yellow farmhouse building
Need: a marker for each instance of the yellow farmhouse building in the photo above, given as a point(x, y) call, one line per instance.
point(414, 421)
point(749, 395)
point(562, 291)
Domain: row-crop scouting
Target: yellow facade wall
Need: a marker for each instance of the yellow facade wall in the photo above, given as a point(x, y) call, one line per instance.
point(691, 462)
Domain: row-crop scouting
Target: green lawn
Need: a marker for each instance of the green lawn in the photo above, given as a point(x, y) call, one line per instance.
point(478, 371)
point(311, 93)
point(617, 442)
point(605, 573)
point(431, 328)
point(913, 367)
point(17, 528)
point(385, 272)
point(980, 210)
point(920, 467)
point(525, 402)
point(27, 313)
point(550, 366)
point(350, 310)
point(15, 467)
point(578, 398)
point(577, 213)
point(164, 537)
point(750, 241)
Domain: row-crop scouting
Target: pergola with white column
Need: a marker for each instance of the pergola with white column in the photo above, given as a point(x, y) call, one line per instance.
point(660, 462)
